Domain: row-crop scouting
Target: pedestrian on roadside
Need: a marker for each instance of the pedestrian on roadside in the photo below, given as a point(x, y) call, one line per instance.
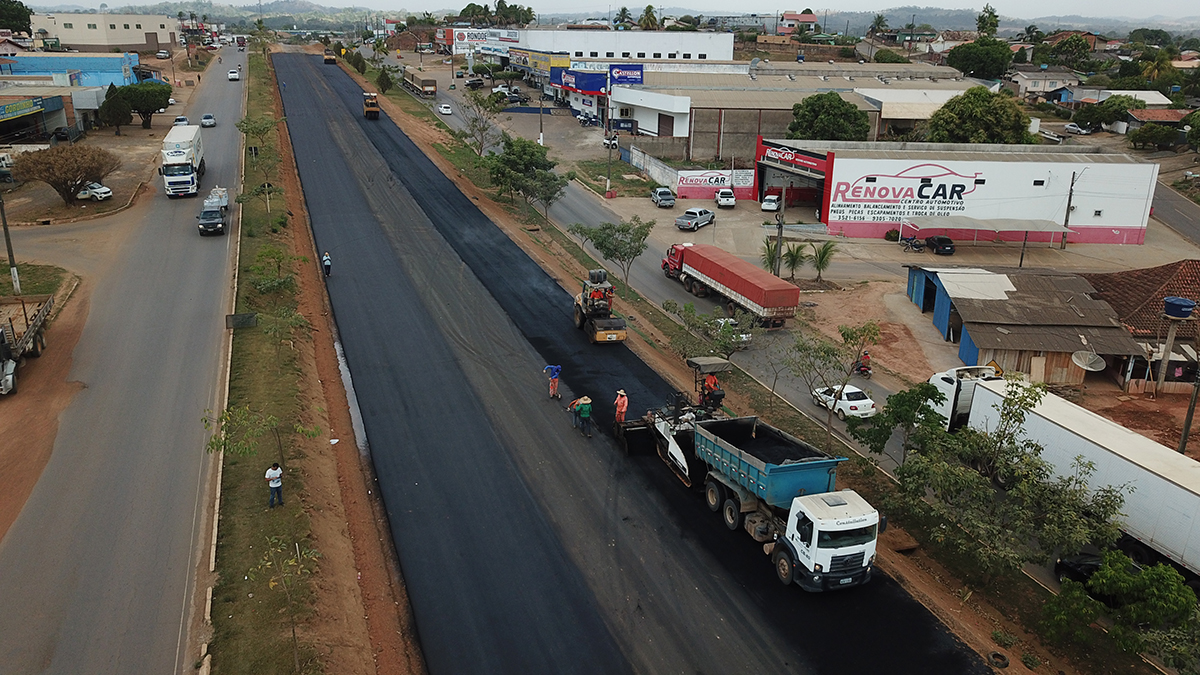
point(553, 372)
point(622, 404)
point(573, 407)
point(584, 410)
point(275, 482)
point(327, 263)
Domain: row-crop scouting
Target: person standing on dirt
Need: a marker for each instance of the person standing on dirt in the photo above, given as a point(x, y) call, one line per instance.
point(327, 263)
point(622, 404)
point(553, 372)
point(275, 482)
point(584, 411)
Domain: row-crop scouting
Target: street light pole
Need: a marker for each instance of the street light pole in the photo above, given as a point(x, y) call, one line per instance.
point(12, 260)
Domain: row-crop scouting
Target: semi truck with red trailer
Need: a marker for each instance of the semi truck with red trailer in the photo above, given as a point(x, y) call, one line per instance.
point(704, 270)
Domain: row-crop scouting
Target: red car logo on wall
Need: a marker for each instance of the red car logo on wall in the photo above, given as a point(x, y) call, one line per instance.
point(923, 181)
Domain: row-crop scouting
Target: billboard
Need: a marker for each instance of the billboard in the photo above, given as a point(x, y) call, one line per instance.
point(789, 157)
point(578, 81)
point(625, 74)
point(704, 184)
point(463, 39)
point(1111, 202)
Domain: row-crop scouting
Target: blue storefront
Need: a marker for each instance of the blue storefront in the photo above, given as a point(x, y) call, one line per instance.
point(82, 70)
point(927, 292)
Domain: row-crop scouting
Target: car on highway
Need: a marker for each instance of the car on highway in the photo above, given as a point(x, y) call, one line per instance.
point(940, 244)
point(95, 192)
point(662, 197)
point(208, 120)
point(770, 203)
point(725, 198)
point(1073, 128)
point(847, 401)
point(234, 75)
point(694, 219)
point(445, 109)
point(181, 121)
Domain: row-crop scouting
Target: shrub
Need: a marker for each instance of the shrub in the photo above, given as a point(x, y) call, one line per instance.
point(891, 235)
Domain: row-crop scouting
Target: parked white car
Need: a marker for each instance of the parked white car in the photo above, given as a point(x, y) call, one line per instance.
point(770, 203)
point(725, 198)
point(850, 401)
point(95, 192)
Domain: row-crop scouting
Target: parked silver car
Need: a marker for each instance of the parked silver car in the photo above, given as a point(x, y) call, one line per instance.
point(694, 219)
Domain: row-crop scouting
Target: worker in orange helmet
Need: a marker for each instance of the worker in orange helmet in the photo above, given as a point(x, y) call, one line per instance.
point(622, 404)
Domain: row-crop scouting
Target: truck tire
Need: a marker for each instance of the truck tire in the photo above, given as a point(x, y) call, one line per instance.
point(37, 345)
point(666, 270)
point(731, 513)
point(578, 318)
point(714, 494)
point(785, 567)
point(1136, 551)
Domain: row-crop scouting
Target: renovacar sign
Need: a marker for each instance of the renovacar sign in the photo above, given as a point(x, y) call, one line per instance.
point(625, 74)
point(920, 190)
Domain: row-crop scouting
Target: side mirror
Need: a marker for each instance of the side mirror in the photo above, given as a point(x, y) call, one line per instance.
point(160, 170)
point(197, 217)
point(882, 524)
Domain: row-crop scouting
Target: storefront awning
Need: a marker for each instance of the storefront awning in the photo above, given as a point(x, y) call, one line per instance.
point(989, 224)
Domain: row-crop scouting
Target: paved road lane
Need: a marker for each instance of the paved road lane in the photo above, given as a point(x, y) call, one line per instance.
point(95, 573)
point(1178, 212)
point(679, 591)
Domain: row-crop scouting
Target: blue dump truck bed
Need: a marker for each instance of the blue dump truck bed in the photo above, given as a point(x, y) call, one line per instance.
point(772, 464)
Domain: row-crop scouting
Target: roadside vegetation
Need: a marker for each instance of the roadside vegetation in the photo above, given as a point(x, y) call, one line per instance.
point(35, 279)
point(264, 556)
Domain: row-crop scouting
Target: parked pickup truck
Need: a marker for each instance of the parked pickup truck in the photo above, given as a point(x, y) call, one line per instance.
point(213, 216)
point(663, 197)
point(774, 486)
point(725, 197)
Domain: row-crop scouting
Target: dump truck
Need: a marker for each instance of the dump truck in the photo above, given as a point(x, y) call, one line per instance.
point(777, 488)
point(704, 270)
point(330, 57)
point(370, 105)
point(24, 334)
point(1160, 519)
point(593, 310)
point(182, 160)
point(418, 83)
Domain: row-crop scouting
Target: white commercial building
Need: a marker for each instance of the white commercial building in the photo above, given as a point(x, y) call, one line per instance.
point(635, 45)
point(106, 32)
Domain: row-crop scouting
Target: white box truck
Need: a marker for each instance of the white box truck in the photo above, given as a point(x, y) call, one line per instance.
point(182, 161)
point(1161, 515)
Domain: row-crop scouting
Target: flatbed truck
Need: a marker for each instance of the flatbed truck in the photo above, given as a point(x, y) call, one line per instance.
point(24, 326)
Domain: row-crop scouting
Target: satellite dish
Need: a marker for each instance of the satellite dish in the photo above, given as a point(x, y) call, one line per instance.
point(1088, 360)
point(754, 62)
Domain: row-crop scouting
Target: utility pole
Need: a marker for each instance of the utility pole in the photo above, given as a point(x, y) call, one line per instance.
point(1070, 196)
point(1187, 422)
point(12, 260)
point(779, 234)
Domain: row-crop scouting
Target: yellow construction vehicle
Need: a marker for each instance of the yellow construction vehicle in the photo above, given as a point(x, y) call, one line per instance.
point(593, 310)
point(330, 57)
point(370, 106)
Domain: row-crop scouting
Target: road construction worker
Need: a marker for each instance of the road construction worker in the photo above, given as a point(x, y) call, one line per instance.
point(553, 372)
point(327, 263)
point(622, 404)
point(584, 410)
point(573, 407)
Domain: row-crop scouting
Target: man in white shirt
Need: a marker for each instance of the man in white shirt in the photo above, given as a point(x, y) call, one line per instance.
point(275, 482)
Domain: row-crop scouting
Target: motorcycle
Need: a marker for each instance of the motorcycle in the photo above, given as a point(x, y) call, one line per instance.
point(912, 244)
point(863, 370)
point(612, 143)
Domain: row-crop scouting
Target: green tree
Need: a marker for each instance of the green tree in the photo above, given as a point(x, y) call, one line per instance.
point(1068, 616)
point(648, 20)
point(1071, 51)
point(237, 430)
point(1152, 598)
point(828, 117)
point(709, 334)
point(1099, 80)
point(980, 116)
point(478, 113)
point(1151, 36)
point(66, 168)
point(821, 363)
point(514, 169)
point(146, 98)
point(1153, 135)
point(115, 112)
point(910, 412)
point(623, 16)
point(548, 187)
point(769, 254)
point(14, 15)
point(794, 257)
point(985, 58)
point(1031, 34)
point(384, 81)
point(281, 568)
point(987, 22)
point(1021, 56)
point(620, 242)
point(822, 256)
point(878, 24)
point(260, 129)
point(889, 56)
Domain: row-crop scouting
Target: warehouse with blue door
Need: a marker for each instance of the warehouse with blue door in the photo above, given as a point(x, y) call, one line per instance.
point(1021, 320)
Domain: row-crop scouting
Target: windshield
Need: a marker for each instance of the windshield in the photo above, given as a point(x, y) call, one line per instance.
point(177, 170)
point(843, 538)
point(854, 396)
point(210, 215)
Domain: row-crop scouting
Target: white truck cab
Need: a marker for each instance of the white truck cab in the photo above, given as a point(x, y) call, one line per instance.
point(832, 536)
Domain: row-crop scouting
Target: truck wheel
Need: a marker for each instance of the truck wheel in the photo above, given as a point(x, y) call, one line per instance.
point(713, 495)
point(731, 513)
point(785, 569)
point(1136, 552)
point(37, 345)
point(578, 318)
point(667, 271)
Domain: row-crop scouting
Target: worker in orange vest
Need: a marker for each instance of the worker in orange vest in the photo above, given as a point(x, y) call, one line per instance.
point(622, 404)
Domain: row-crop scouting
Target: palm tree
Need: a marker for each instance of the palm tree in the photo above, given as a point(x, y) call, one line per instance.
point(878, 25)
point(180, 15)
point(822, 256)
point(794, 258)
point(648, 21)
point(623, 16)
point(1160, 66)
point(767, 258)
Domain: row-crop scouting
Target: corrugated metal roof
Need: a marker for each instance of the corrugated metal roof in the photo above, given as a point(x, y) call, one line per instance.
point(759, 100)
point(908, 111)
point(979, 152)
point(1052, 338)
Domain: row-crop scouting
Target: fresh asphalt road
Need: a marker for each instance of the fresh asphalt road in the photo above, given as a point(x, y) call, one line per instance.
point(524, 547)
point(1178, 212)
point(96, 572)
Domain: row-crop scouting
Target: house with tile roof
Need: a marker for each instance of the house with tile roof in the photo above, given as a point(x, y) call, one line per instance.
point(1167, 118)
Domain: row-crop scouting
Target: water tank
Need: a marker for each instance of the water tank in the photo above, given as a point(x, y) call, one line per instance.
point(1178, 308)
point(597, 276)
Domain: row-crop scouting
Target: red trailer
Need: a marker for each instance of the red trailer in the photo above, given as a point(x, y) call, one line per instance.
point(704, 269)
